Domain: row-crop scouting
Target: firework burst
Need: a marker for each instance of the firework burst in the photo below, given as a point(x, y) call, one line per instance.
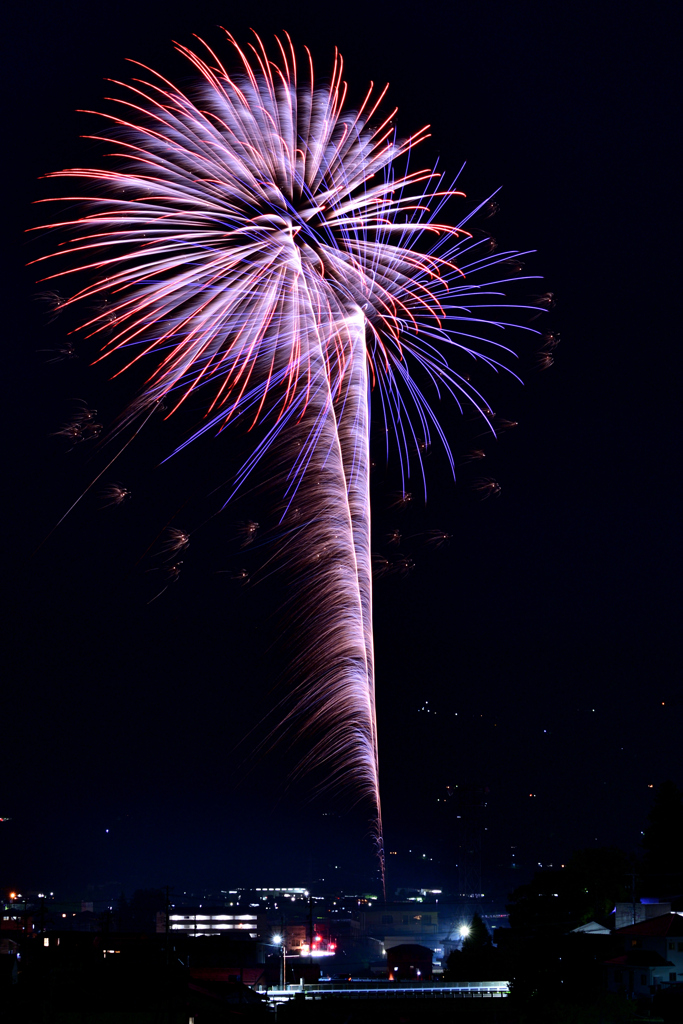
point(255, 247)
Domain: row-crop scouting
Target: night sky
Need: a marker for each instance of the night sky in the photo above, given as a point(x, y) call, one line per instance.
point(544, 638)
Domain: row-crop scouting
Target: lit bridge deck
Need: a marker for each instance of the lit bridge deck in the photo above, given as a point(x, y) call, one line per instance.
point(392, 990)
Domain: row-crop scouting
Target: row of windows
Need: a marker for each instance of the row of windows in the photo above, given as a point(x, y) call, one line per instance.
point(424, 919)
point(213, 917)
point(208, 935)
point(189, 926)
point(637, 944)
point(618, 977)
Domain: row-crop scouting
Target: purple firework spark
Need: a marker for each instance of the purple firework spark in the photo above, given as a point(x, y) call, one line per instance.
point(259, 247)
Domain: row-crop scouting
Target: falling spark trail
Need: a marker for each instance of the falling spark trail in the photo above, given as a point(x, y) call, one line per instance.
point(94, 481)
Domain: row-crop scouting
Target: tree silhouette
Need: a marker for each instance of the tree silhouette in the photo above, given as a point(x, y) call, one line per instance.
point(585, 890)
point(478, 937)
point(663, 842)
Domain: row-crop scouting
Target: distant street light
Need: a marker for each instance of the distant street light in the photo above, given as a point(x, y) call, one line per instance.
point(279, 940)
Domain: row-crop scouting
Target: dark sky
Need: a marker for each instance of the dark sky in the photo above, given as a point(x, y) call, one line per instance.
point(545, 638)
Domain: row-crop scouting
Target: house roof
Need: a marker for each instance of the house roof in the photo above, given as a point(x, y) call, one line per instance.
point(410, 949)
point(667, 924)
point(591, 928)
point(639, 958)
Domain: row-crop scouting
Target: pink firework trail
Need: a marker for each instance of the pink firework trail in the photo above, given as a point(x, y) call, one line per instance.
point(255, 244)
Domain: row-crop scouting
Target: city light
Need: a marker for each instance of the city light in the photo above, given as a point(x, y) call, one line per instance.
point(307, 951)
point(464, 931)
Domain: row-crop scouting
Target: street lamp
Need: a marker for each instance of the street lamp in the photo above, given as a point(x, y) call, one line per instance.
point(279, 940)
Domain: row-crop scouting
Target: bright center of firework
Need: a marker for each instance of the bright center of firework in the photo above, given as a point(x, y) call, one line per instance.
point(278, 223)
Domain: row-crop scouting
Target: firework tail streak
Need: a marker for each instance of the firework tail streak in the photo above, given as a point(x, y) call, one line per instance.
point(255, 245)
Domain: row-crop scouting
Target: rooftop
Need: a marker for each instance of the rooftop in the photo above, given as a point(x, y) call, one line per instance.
point(667, 924)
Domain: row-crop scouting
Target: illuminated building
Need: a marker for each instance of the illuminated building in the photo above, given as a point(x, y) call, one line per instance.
point(398, 923)
point(298, 940)
point(199, 921)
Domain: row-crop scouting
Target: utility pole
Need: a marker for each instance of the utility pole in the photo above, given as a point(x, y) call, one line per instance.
point(167, 926)
point(632, 875)
point(470, 802)
point(283, 962)
point(167, 936)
